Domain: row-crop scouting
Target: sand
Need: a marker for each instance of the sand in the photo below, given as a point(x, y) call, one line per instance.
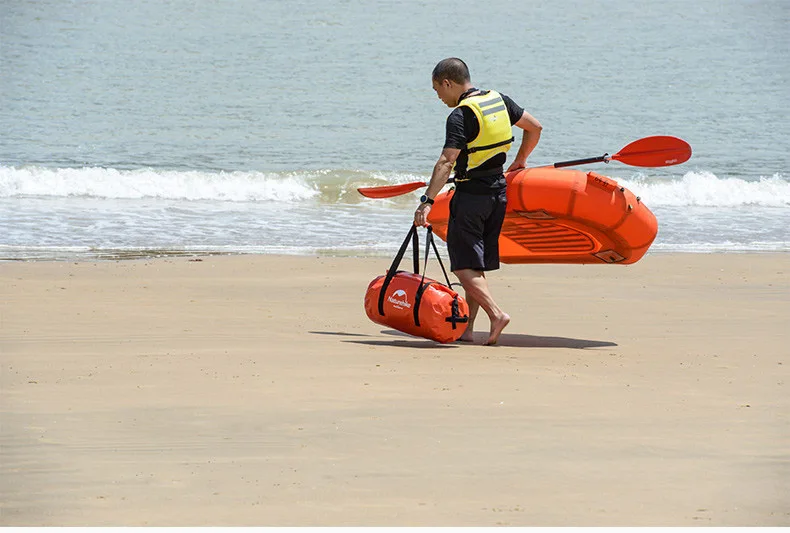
point(253, 390)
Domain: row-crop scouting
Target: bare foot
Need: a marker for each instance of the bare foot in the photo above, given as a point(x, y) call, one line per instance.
point(468, 336)
point(496, 328)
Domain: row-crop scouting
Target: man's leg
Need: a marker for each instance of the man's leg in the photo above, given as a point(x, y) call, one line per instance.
point(476, 287)
point(469, 333)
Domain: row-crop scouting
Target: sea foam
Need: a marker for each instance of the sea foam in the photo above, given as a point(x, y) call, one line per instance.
point(149, 183)
point(706, 189)
point(697, 188)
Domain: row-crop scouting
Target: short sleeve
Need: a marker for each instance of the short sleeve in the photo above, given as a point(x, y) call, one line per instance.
point(514, 110)
point(455, 135)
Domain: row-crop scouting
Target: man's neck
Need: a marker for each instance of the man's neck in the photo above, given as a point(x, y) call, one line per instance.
point(468, 88)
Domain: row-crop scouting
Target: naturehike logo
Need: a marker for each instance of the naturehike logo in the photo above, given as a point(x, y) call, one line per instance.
point(398, 299)
point(670, 161)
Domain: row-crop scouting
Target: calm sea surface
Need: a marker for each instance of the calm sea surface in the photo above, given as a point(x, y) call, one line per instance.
point(245, 126)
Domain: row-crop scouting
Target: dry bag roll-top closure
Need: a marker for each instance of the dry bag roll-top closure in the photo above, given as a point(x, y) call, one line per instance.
point(414, 304)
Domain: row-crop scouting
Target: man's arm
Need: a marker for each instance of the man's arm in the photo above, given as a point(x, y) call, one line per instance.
point(439, 177)
point(441, 171)
point(529, 140)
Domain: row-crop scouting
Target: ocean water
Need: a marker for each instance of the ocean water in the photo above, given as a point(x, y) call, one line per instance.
point(240, 126)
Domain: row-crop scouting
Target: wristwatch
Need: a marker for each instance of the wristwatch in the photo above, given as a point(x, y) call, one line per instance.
point(425, 200)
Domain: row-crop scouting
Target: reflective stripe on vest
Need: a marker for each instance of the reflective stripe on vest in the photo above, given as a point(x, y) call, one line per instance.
point(496, 134)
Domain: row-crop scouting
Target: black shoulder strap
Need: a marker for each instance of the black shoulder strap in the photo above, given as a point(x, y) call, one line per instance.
point(429, 243)
point(415, 240)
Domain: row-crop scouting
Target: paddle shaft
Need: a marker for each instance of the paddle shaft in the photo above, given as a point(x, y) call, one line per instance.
point(602, 159)
point(655, 151)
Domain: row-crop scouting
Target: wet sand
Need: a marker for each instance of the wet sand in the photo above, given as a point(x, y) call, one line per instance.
point(253, 390)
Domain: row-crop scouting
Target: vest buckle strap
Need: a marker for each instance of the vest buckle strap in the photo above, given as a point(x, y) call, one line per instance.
point(489, 146)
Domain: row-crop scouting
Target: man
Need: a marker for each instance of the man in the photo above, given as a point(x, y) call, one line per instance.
point(478, 135)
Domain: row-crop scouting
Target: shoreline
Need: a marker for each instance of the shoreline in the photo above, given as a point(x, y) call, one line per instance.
point(253, 390)
point(114, 255)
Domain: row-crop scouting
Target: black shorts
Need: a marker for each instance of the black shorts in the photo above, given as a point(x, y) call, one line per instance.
point(473, 230)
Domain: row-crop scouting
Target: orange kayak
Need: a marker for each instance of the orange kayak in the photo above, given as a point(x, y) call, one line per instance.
point(565, 216)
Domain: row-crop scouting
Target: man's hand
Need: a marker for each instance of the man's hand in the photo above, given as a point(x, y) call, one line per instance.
point(517, 165)
point(532, 129)
point(421, 215)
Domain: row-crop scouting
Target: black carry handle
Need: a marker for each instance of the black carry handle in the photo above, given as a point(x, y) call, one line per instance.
point(431, 242)
point(415, 240)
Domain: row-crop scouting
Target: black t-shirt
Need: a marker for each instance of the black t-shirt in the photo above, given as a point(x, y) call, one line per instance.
point(462, 128)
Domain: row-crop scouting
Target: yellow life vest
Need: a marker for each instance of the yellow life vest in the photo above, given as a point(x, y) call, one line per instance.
point(496, 134)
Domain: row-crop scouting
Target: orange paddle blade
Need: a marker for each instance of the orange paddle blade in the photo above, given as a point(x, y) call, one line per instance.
point(388, 191)
point(655, 151)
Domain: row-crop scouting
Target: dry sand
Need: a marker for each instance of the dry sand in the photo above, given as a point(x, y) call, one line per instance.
point(253, 390)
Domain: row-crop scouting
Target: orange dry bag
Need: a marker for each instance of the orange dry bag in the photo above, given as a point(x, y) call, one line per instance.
point(415, 304)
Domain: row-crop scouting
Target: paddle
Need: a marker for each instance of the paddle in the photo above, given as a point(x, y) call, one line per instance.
point(655, 151)
point(388, 191)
